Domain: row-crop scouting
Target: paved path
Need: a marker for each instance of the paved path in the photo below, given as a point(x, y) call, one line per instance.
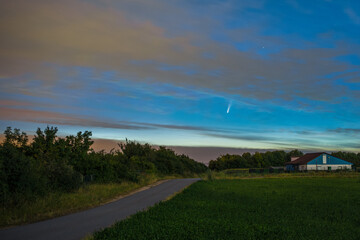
point(78, 225)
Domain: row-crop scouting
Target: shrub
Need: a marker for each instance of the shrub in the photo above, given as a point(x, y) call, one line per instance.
point(51, 163)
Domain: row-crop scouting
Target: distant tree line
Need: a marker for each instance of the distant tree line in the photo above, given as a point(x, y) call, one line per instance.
point(50, 163)
point(256, 160)
point(270, 158)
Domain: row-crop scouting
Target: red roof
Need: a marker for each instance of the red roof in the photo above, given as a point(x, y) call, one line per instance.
point(305, 159)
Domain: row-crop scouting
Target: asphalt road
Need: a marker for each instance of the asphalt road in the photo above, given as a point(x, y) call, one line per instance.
point(78, 225)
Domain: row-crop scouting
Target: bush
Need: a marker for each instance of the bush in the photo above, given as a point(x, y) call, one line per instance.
point(51, 163)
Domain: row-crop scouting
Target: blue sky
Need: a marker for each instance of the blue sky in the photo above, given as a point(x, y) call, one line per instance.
point(165, 72)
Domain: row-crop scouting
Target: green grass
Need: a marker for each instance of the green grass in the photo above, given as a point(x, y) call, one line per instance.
point(268, 208)
point(59, 203)
point(211, 175)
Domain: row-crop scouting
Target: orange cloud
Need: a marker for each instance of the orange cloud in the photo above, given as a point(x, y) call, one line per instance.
point(79, 33)
point(106, 36)
point(7, 102)
point(26, 115)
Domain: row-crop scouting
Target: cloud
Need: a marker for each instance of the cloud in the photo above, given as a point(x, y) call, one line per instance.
point(345, 130)
point(179, 127)
point(240, 137)
point(9, 102)
point(47, 117)
point(352, 145)
point(113, 36)
point(286, 141)
point(76, 33)
point(355, 18)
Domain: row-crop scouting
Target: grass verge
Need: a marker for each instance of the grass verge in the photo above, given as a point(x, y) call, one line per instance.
point(59, 203)
point(212, 175)
point(264, 208)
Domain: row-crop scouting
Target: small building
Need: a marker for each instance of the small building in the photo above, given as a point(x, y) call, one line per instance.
point(317, 161)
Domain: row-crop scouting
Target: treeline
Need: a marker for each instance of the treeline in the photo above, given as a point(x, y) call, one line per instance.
point(267, 159)
point(50, 163)
point(256, 160)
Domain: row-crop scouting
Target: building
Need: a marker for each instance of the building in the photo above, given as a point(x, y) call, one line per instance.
point(317, 161)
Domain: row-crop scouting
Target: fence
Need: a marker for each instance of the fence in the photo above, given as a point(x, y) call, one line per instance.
point(240, 171)
point(243, 171)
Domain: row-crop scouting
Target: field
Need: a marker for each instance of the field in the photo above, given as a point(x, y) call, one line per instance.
point(271, 208)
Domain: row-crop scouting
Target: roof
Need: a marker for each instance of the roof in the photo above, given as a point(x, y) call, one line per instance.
point(305, 159)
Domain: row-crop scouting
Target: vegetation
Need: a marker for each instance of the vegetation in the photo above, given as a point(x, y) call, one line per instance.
point(276, 208)
point(47, 177)
point(257, 160)
point(50, 164)
point(267, 159)
point(59, 203)
point(245, 174)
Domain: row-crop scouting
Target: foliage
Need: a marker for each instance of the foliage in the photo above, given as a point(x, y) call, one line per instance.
point(50, 163)
point(267, 159)
point(282, 208)
point(257, 160)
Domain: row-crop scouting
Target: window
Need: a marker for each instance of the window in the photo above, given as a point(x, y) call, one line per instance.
point(324, 158)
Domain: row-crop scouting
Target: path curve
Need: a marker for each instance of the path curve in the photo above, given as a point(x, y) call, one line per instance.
point(78, 225)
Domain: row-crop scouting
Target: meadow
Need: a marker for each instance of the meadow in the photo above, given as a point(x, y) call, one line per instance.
point(264, 208)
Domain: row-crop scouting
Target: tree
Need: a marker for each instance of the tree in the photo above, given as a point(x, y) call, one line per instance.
point(77, 150)
point(293, 153)
point(53, 156)
point(258, 160)
point(16, 139)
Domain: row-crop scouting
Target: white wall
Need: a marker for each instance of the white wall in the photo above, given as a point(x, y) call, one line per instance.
point(325, 167)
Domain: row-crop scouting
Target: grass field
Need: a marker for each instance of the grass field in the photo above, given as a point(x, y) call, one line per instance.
point(59, 203)
point(269, 208)
point(241, 174)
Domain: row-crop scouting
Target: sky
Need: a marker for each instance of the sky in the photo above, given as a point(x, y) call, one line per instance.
point(250, 74)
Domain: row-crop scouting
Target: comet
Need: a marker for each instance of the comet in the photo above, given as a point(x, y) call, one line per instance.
point(228, 109)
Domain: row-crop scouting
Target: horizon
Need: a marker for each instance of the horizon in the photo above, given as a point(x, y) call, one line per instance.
point(191, 75)
point(203, 154)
